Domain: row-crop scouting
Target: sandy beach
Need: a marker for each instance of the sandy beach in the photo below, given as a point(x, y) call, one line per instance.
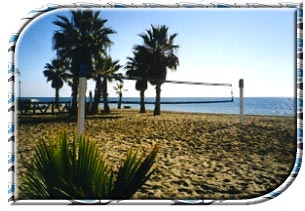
point(201, 156)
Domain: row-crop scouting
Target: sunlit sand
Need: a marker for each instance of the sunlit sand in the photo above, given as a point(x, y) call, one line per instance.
point(201, 156)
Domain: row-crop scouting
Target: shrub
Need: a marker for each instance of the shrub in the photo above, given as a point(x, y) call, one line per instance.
point(78, 171)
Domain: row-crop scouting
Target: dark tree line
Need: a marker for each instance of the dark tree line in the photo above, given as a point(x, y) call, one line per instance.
point(83, 39)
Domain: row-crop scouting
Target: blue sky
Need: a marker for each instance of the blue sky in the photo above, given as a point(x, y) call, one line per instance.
point(216, 45)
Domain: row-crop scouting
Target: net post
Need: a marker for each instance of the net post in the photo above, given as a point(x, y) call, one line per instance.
point(241, 100)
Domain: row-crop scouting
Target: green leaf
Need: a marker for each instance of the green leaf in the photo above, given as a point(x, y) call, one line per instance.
point(79, 171)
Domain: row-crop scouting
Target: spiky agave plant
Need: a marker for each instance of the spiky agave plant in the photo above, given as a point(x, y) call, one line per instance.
point(78, 171)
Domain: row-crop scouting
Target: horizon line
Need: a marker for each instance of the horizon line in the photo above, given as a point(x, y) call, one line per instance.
point(167, 97)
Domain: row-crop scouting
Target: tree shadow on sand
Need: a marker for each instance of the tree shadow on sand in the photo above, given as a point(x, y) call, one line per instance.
point(37, 119)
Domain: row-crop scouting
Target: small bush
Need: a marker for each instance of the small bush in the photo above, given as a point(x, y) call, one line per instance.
point(78, 171)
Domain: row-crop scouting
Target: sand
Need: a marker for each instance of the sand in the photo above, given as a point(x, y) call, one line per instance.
point(201, 156)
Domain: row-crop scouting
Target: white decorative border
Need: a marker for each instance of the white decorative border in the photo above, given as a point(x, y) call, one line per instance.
point(50, 7)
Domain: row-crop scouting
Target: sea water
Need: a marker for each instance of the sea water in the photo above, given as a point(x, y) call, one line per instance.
point(270, 106)
point(267, 106)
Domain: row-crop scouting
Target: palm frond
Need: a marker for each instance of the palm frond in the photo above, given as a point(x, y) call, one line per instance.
point(77, 170)
point(133, 173)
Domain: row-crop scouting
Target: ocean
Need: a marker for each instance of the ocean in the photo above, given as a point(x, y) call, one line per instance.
point(268, 106)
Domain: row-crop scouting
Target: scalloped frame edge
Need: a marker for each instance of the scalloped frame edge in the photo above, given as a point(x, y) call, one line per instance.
point(51, 7)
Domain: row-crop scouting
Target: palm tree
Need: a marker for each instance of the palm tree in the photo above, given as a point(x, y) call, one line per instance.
point(56, 73)
point(159, 48)
point(104, 68)
point(136, 67)
point(83, 38)
point(119, 91)
point(97, 91)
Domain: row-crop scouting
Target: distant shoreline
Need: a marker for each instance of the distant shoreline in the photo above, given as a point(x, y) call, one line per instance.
point(288, 97)
point(262, 106)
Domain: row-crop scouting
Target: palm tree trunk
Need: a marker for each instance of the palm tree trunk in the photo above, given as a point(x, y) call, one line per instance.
point(105, 96)
point(120, 101)
point(56, 97)
point(142, 102)
point(74, 86)
point(74, 94)
point(97, 95)
point(158, 97)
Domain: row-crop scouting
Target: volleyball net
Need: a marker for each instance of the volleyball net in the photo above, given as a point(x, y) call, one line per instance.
point(224, 88)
